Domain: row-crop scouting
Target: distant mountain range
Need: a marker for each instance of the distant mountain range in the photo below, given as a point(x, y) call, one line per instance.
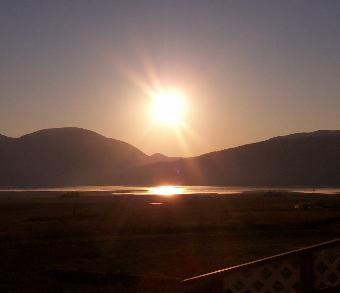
point(301, 159)
point(74, 156)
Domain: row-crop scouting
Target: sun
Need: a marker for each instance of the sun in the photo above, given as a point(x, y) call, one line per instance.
point(168, 106)
point(166, 190)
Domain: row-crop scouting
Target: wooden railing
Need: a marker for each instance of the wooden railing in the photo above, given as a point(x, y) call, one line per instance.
point(311, 269)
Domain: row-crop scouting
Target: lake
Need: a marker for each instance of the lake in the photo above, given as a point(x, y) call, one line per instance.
point(178, 190)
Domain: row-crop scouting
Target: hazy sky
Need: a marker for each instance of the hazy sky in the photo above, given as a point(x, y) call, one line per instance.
point(251, 69)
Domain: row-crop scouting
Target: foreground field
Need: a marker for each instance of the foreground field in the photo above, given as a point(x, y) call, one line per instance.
point(97, 242)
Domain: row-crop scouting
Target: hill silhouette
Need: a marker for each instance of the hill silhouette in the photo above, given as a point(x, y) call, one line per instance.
point(157, 157)
point(315, 134)
point(307, 159)
point(4, 137)
point(75, 156)
point(64, 156)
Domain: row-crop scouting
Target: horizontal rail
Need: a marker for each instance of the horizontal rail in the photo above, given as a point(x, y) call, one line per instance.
point(300, 251)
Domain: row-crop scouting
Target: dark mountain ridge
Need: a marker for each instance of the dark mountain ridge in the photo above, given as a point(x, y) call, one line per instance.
point(307, 160)
point(75, 156)
point(314, 134)
point(4, 137)
point(157, 157)
point(64, 156)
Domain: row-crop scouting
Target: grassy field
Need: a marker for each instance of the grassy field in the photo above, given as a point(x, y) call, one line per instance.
point(98, 242)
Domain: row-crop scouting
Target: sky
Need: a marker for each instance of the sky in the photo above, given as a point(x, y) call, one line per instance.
point(251, 70)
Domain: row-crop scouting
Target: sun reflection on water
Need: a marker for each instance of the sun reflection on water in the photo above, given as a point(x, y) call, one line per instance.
point(166, 190)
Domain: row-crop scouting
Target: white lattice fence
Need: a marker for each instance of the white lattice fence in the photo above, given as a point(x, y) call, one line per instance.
point(305, 270)
point(275, 276)
point(327, 267)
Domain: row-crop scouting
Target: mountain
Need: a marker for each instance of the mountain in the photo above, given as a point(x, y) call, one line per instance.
point(75, 156)
point(307, 159)
point(318, 133)
point(64, 156)
point(4, 137)
point(157, 157)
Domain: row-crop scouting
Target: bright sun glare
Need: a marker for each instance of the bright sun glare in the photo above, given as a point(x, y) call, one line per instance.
point(169, 106)
point(166, 190)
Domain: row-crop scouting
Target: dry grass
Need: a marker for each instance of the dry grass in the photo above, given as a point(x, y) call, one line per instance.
point(102, 242)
